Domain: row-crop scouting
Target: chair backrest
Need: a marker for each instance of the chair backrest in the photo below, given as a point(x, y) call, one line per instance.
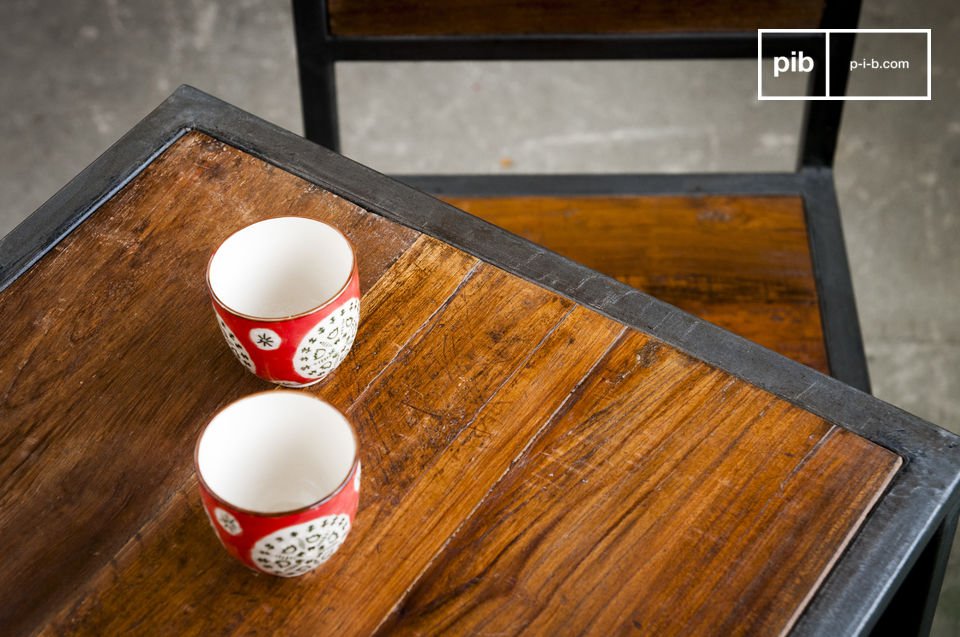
point(525, 17)
point(339, 30)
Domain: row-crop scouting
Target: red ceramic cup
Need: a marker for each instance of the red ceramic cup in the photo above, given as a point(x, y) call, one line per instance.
point(287, 298)
point(279, 476)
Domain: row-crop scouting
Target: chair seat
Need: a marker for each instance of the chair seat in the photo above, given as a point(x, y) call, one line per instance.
point(740, 262)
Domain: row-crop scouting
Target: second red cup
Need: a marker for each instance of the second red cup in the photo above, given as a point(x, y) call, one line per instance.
point(279, 476)
point(286, 293)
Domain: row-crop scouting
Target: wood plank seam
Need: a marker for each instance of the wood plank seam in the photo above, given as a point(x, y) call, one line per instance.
point(562, 408)
point(808, 456)
point(425, 328)
point(716, 407)
point(519, 366)
point(476, 415)
point(847, 541)
point(558, 413)
point(811, 453)
point(840, 547)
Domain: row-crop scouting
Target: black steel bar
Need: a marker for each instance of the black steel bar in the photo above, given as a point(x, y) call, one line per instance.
point(895, 533)
point(562, 185)
point(318, 95)
point(821, 121)
point(911, 611)
point(317, 71)
point(932, 577)
point(828, 253)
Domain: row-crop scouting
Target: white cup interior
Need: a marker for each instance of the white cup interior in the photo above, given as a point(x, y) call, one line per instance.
point(276, 451)
point(280, 267)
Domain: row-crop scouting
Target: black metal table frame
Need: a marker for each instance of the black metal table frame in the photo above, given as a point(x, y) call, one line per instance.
point(905, 540)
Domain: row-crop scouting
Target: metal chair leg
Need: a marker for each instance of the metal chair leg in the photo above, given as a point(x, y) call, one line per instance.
point(912, 608)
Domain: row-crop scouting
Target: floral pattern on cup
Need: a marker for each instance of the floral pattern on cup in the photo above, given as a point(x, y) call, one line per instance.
point(236, 346)
point(265, 339)
point(326, 345)
point(227, 522)
point(298, 549)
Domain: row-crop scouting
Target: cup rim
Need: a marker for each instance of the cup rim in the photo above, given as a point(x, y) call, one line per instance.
point(262, 514)
point(277, 319)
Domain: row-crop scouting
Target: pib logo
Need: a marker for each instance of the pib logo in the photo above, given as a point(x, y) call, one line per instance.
point(797, 62)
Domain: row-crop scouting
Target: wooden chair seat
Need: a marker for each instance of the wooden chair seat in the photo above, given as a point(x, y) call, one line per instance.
point(740, 262)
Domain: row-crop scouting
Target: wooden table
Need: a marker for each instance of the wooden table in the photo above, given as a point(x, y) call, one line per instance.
point(545, 450)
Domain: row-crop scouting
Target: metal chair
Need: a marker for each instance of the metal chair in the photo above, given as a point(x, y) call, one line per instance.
point(760, 254)
point(788, 286)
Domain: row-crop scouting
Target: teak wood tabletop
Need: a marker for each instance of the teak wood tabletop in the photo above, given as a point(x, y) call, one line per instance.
point(534, 462)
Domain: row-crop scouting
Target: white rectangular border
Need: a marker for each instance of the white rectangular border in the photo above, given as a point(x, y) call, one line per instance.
point(840, 98)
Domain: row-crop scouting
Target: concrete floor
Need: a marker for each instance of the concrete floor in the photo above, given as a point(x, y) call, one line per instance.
point(75, 75)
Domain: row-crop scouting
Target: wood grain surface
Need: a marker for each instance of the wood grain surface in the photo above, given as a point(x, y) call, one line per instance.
point(514, 17)
point(740, 262)
point(529, 465)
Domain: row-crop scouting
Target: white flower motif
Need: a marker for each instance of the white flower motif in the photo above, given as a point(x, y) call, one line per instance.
point(326, 345)
point(227, 522)
point(265, 339)
point(235, 345)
